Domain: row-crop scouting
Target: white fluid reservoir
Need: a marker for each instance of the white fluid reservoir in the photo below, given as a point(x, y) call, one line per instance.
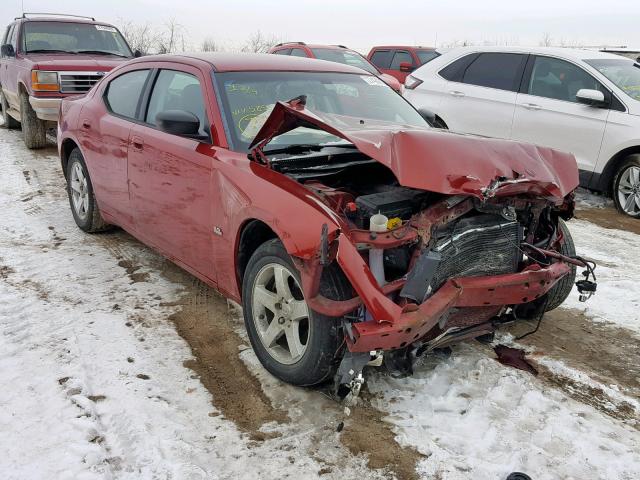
point(378, 224)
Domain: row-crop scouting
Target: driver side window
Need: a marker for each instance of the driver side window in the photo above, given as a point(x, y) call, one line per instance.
point(560, 80)
point(174, 90)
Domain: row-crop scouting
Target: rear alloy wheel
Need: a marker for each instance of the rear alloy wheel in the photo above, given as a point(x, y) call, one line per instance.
point(7, 120)
point(33, 129)
point(294, 343)
point(81, 198)
point(626, 193)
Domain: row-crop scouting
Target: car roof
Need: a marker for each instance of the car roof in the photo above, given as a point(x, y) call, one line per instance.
point(310, 45)
point(62, 19)
point(406, 47)
point(238, 62)
point(569, 53)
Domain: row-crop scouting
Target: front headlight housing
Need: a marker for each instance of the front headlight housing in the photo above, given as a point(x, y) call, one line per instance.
point(43, 81)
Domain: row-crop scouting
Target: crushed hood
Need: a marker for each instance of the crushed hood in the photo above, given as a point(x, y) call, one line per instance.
point(436, 160)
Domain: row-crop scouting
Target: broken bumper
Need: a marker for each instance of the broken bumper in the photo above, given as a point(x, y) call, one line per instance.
point(415, 321)
point(46, 108)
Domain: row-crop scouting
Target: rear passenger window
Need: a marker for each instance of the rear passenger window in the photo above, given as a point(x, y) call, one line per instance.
point(555, 78)
point(382, 58)
point(175, 90)
point(298, 52)
point(123, 93)
point(284, 51)
point(496, 70)
point(400, 57)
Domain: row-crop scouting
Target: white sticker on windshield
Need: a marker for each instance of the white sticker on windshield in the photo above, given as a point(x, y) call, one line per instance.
point(104, 28)
point(371, 80)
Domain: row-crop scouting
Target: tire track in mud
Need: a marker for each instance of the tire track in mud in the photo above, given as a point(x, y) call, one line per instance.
point(205, 322)
point(608, 217)
point(605, 355)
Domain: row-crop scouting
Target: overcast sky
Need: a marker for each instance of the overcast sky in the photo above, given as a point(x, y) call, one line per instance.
point(363, 23)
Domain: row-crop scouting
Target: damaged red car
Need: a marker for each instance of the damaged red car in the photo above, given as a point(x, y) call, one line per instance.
point(350, 231)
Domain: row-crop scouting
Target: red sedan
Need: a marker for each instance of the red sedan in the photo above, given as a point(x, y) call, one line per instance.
point(320, 200)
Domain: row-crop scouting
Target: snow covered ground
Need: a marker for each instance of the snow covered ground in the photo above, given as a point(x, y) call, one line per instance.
point(94, 340)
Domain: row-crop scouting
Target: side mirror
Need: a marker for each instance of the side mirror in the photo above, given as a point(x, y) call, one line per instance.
point(137, 54)
point(7, 50)
point(179, 122)
point(406, 67)
point(428, 116)
point(593, 98)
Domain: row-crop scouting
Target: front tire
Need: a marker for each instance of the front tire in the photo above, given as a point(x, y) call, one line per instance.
point(561, 290)
point(293, 343)
point(7, 120)
point(81, 198)
point(626, 187)
point(33, 129)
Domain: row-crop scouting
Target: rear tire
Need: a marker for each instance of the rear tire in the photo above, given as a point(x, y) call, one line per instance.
point(33, 129)
point(626, 187)
point(81, 198)
point(319, 336)
point(7, 120)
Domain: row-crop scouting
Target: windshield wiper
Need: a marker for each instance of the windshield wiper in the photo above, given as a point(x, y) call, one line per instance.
point(49, 50)
point(101, 52)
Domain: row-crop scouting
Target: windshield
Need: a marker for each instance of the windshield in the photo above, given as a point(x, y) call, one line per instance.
point(624, 73)
point(73, 38)
point(345, 57)
point(426, 55)
point(249, 97)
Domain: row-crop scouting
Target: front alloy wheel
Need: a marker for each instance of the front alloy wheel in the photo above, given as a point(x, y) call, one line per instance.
point(294, 343)
point(280, 314)
point(628, 190)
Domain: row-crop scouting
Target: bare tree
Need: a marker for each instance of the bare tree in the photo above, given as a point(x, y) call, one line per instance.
point(259, 43)
point(140, 37)
point(172, 36)
point(210, 45)
point(546, 40)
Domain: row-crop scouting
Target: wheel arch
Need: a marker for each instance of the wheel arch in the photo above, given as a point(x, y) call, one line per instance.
point(66, 147)
point(252, 233)
point(604, 182)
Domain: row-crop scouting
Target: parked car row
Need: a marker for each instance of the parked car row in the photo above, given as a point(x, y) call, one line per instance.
point(578, 101)
point(350, 230)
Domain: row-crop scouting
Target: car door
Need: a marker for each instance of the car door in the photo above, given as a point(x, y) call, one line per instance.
point(104, 136)
point(170, 176)
point(481, 93)
point(9, 72)
point(547, 112)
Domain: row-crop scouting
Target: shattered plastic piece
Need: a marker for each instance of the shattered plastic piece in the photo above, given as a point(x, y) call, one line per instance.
point(514, 357)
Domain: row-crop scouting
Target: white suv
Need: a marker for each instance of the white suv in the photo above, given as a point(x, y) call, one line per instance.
point(579, 101)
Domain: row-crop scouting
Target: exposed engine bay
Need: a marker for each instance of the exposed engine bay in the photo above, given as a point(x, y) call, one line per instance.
point(456, 236)
point(441, 238)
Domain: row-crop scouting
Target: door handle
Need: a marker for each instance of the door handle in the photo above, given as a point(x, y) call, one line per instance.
point(456, 93)
point(531, 106)
point(137, 142)
point(86, 124)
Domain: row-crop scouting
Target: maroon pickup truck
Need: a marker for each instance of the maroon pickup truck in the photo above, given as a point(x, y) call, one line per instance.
point(44, 58)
